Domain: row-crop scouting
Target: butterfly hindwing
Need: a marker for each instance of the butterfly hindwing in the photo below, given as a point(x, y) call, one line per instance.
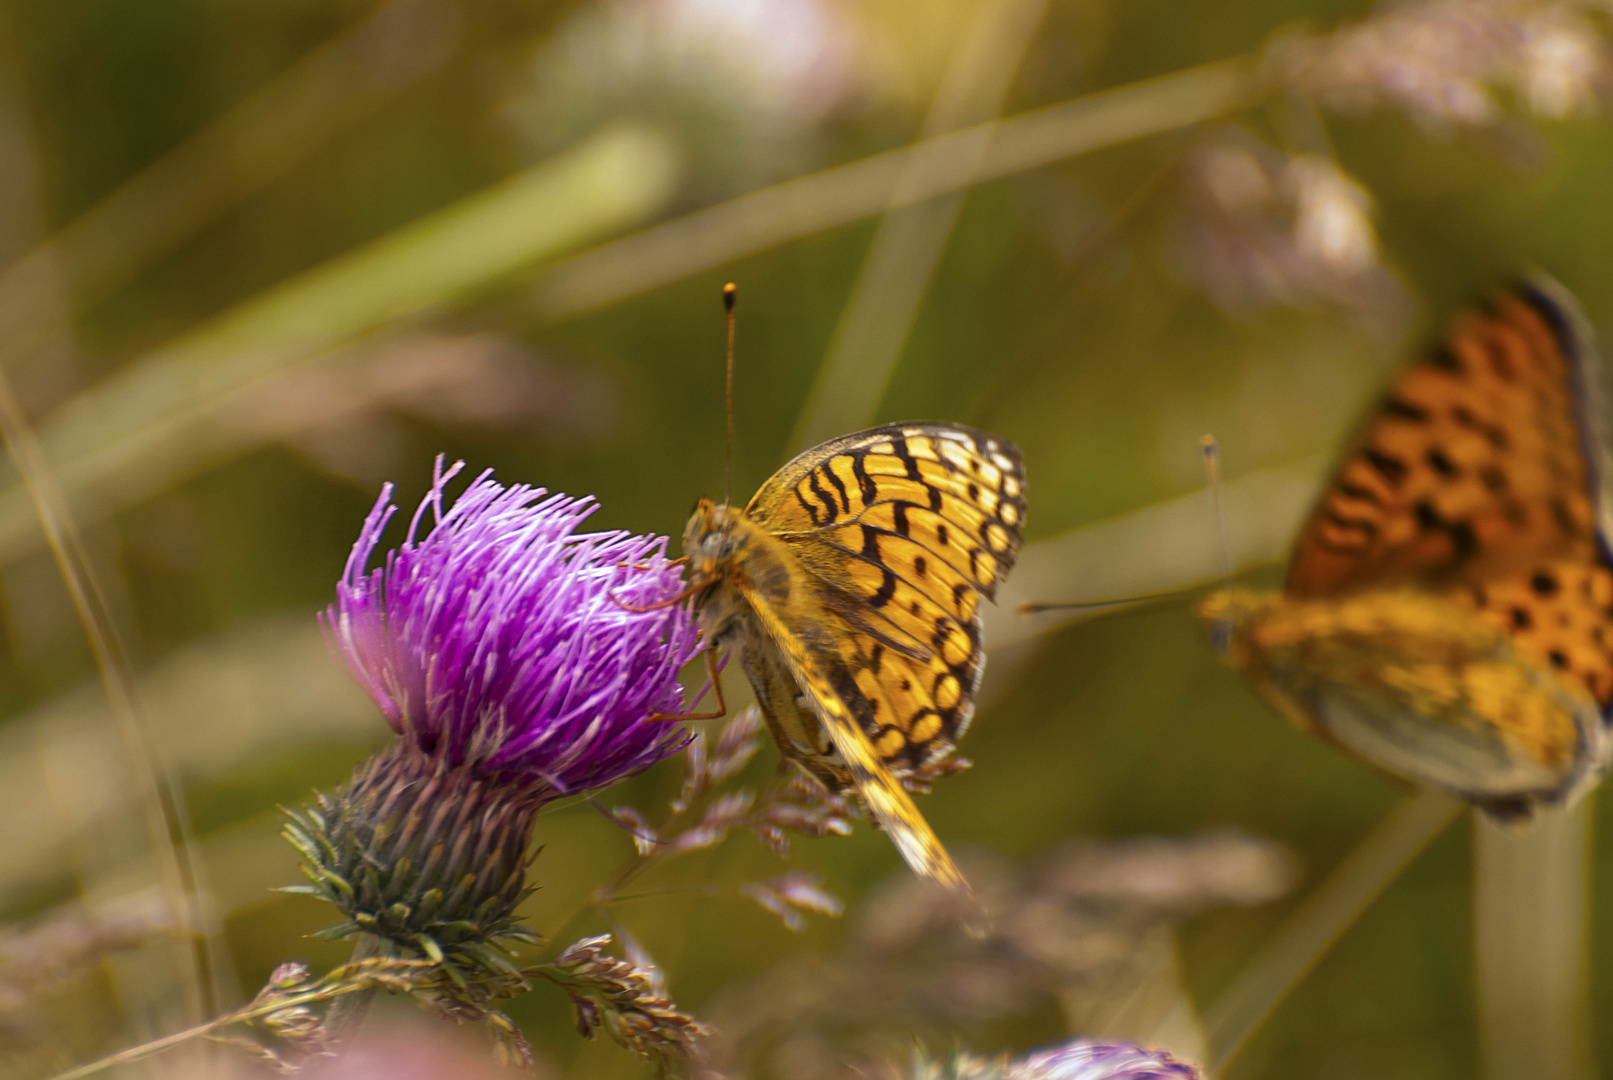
point(829, 685)
point(1559, 615)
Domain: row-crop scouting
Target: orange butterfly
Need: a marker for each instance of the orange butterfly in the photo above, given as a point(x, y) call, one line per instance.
point(849, 588)
point(1448, 611)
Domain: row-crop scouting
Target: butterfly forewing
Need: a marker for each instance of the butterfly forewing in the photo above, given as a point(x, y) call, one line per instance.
point(957, 492)
point(908, 525)
point(889, 538)
point(1473, 465)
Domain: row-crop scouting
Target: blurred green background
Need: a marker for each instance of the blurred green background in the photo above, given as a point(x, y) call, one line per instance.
point(264, 256)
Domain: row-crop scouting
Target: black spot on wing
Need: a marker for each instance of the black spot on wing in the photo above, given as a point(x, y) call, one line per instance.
point(1402, 409)
point(887, 589)
point(1356, 492)
point(823, 493)
point(1441, 463)
point(1388, 466)
point(1446, 360)
point(870, 548)
point(870, 490)
point(810, 508)
point(1464, 542)
point(834, 478)
point(908, 460)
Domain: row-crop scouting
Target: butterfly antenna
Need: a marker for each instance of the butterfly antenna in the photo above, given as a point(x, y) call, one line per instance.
point(1221, 632)
point(730, 293)
point(1212, 476)
point(1027, 610)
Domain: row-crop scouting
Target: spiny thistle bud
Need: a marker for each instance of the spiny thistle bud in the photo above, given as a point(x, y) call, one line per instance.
point(510, 654)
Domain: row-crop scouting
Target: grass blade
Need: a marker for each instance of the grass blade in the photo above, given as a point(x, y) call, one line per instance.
point(718, 235)
point(167, 830)
point(1531, 923)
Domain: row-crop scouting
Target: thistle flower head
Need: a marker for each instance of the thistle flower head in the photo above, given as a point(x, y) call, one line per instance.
point(1087, 1059)
point(518, 659)
point(1080, 1059)
point(505, 639)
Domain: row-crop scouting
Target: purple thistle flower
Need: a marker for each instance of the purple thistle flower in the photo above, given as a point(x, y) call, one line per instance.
point(1086, 1059)
point(503, 648)
point(503, 639)
point(1080, 1059)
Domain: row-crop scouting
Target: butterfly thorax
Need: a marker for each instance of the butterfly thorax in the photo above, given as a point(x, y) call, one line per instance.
point(733, 561)
point(729, 555)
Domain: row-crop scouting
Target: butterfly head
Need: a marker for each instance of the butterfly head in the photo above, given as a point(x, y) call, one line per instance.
point(708, 540)
point(1227, 612)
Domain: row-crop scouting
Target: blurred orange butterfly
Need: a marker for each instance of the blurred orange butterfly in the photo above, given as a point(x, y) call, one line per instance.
point(1448, 611)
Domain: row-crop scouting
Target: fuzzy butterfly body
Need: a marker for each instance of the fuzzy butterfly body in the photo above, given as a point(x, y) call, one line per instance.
point(849, 590)
point(1448, 610)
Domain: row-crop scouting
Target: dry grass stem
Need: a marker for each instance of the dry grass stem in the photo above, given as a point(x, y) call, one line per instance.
point(811, 204)
point(158, 791)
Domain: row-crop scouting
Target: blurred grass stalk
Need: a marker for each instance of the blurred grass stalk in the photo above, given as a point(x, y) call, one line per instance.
point(1531, 924)
point(199, 946)
point(149, 425)
point(718, 235)
point(157, 789)
point(261, 138)
point(901, 261)
point(272, 678)
point(1322, 917)
point(156, 421)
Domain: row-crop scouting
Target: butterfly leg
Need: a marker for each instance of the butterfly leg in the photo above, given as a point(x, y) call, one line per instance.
point(716, 686)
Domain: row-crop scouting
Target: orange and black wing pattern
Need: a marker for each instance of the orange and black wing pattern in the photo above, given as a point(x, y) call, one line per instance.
point(905, 527)
point(1481, 476)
